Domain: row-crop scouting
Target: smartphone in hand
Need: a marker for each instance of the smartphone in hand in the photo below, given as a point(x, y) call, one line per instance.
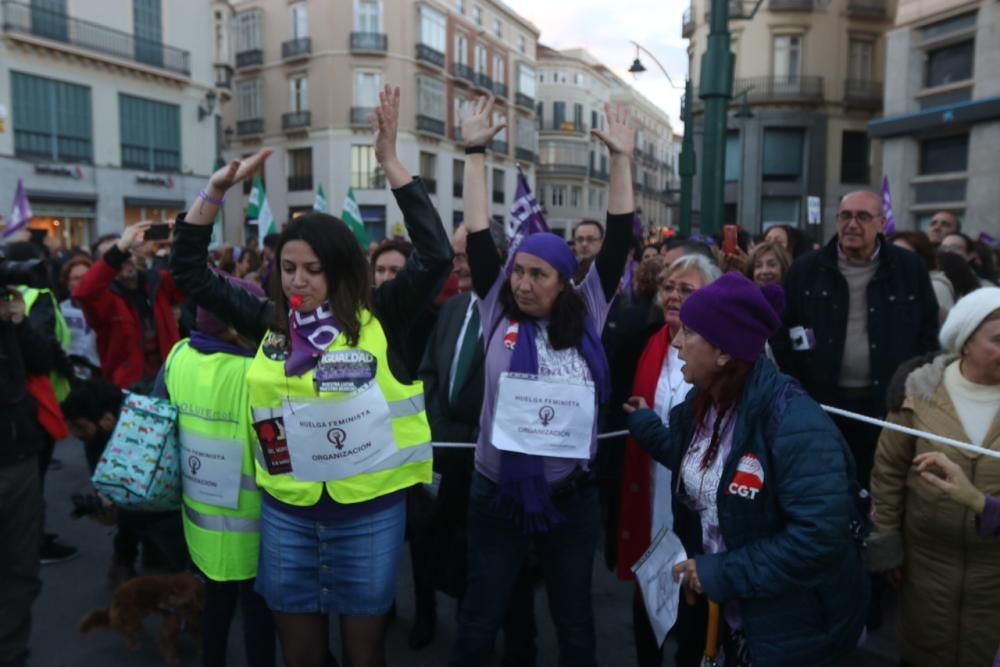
point(157, 232)
point(729, 233)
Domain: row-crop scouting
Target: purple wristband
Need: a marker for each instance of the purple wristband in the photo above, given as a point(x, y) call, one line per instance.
point(208, 198)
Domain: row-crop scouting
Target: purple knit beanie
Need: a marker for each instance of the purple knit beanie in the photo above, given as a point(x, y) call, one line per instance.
point(209, 324)
point(735, 315)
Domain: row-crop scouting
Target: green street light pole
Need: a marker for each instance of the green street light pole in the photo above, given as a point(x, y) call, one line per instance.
point(686, 164)
point(716, 90)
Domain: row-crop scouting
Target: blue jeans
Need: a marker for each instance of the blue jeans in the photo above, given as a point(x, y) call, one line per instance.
point(498, 549)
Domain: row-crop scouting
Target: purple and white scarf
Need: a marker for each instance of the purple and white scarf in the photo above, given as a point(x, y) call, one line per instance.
point(311, 333)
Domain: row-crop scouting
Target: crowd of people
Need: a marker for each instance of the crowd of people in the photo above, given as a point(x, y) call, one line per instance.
point(449, 393)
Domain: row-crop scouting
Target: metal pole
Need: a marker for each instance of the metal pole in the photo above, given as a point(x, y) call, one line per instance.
point(687, 162)
point(716, 90)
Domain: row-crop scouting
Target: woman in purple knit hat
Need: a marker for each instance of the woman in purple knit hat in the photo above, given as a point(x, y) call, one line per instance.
point(763, 498)
point(545, 375)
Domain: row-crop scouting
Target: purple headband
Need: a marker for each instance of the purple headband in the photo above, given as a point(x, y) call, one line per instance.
point(551, 248)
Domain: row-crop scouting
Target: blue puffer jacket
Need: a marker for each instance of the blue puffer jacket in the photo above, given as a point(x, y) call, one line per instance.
point(784, 509)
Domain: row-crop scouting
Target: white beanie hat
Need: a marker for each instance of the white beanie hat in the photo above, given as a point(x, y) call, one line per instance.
point(966, 316)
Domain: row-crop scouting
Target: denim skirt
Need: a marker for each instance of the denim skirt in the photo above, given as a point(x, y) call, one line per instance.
point(347, 566)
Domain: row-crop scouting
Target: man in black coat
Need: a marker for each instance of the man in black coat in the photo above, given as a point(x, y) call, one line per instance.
point(22, 353)
point(855, 310)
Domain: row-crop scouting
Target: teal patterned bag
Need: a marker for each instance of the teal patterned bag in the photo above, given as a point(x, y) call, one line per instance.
point(139, 469)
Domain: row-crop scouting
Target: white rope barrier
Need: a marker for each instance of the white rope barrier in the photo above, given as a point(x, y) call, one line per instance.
point(837, 411)
point(912, 431)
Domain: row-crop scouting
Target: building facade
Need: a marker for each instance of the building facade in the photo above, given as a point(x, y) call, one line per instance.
point(573, 88)
point(941, 132)
point(108, 111)
point(807, 80)
point(307, 75)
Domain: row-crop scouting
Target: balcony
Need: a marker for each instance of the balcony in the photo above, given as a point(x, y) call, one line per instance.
point(295, 120)
point(499, 89)
point(251, 58)
point(484, 81)
point(524, 154)
point(790, 5)
point(522, 100)
point(223, 77)
point(687, 22)
point(566, 127)
point(430, 55)
point(599, 175)
point(735, 10)
point(430, 125)
point(863, 93)
point(359, 115)
point(780, 89)
point(20, 18)
point(499, 147)
point(249, 127)
point(562, 169)
point(296, 49)
point(463, 72)
point(302, 182)
point(867, 9)
point(369, 42)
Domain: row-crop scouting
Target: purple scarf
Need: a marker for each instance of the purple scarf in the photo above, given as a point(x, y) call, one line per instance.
point(311, 333)
point(524, 492)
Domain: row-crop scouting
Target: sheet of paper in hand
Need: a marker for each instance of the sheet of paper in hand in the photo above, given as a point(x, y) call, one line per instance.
point(654, 572)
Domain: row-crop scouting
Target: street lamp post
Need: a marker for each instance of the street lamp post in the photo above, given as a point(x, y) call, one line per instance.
point(686, 159)
point(716, 89)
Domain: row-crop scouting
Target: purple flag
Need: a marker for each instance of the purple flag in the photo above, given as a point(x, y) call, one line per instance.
point(20, 214)
point(890, 222)
point(525, 216)
point(987, 239)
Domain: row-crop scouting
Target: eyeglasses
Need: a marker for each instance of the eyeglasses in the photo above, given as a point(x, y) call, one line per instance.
point(683, 290)
point(864, 217)
point(587, 239)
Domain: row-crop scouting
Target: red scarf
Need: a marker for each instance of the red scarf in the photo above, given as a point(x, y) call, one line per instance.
point(50, 415)
point(635, 514)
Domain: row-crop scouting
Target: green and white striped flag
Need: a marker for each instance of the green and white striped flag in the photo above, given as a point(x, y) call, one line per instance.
point(319, 204)
point(352, 217)
point(259, 211)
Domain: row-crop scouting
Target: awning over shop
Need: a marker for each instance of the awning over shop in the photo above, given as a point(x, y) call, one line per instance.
point(955, 115)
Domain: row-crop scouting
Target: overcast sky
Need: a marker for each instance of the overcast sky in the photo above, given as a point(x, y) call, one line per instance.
point(656, 24)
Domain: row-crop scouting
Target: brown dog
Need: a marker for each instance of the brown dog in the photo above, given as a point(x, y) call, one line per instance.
point(177, 597)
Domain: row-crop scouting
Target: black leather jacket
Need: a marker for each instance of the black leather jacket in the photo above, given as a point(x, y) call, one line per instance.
point(22, 352)
point(396, 303)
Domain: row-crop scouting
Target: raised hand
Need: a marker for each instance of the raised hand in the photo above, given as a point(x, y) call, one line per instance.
point(236, 171)
point(620, 135)
point(385, 124)
point(133, 236)
point(477, 122)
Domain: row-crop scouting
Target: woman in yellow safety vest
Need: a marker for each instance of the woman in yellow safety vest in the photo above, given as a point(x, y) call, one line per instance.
point(340, 432)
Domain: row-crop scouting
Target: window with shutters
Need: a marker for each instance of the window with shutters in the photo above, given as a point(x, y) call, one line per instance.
point(498, 69)
point(859, 60)
point(300, 170)
point(298, 94)
point(461, 55)
point(526, 80)
point(368, 16)
point(783, 149)
point(51, 119)
point(498, 28)
point(366, 173)
point(481, 59)
point(787, 58)
point(148, 31)
point(49, 19)
point(248, 30)
point(432, 29)
point(299, 18)
point(367, 85)
point(525, 133)
point(431, 98)
point(250, 104)
point(150, 134)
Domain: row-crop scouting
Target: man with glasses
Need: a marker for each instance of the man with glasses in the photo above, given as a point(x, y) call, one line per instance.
point(942, 224)
point(855, 310)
